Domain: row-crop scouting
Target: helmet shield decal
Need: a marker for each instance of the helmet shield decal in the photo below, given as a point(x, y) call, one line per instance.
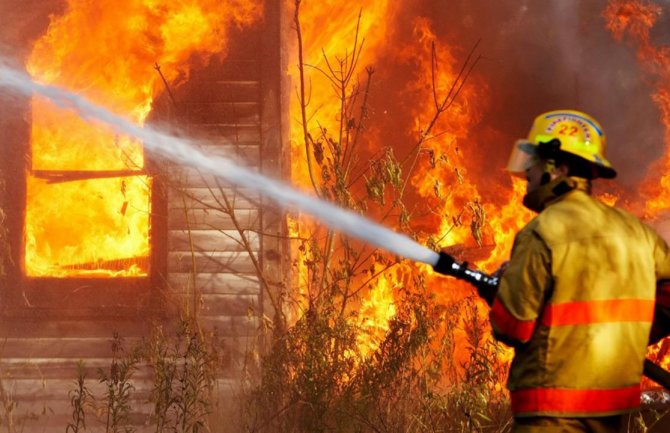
point(523, 156)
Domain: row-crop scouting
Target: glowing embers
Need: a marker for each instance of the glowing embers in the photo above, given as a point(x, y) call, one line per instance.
point(87, 201)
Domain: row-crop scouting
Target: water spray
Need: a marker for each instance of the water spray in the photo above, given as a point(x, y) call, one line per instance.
point(184, 151)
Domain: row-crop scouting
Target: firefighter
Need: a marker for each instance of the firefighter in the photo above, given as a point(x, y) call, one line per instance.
point(576, 299)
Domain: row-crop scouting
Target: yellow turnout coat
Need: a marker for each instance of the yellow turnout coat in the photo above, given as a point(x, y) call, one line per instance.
point(577, 302)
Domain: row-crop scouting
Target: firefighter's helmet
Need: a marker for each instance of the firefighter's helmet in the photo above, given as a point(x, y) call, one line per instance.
point(568, 131)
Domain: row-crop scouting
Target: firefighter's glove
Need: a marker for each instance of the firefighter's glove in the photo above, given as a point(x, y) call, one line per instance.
point(488, 292)
point(501, 270)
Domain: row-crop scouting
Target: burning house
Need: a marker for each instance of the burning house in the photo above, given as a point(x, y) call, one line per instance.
point(103, 238)
point(395, 111)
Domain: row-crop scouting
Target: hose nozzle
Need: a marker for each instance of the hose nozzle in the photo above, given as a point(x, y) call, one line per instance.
point(487, 285)
point(447, 265)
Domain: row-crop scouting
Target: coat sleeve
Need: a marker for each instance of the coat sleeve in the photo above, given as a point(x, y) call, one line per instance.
point(522, 292)
point(661, 257)
point(661, 325)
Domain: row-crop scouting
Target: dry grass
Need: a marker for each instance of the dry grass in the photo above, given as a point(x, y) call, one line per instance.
point(183, 369)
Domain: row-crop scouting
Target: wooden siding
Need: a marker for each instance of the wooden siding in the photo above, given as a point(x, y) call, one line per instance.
point(212, 227)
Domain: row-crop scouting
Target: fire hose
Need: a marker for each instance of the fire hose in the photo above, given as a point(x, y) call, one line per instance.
point(487, 286)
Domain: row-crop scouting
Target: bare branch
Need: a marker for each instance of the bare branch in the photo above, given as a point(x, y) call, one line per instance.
point(361, 121)
point(433, 71)
point(167, 86)
point(303, 108)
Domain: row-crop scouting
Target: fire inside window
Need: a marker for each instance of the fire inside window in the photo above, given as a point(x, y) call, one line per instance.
point(88, 200)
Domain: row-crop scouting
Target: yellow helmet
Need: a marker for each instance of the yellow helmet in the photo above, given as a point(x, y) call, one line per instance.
point(578, 133)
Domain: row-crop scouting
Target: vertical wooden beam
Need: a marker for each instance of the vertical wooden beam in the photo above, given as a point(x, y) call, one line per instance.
point(274, 135)
point(16, 138)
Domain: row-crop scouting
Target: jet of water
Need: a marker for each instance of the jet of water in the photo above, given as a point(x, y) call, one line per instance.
point(183, 151)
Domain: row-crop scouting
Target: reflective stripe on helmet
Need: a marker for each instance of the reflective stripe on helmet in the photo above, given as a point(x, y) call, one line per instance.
point(577, 115)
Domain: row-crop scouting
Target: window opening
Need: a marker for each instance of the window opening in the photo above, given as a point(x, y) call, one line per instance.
point(87, 200)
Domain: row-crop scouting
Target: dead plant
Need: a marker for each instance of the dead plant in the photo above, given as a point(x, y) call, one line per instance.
point(80, 399)
point(184, 367)
point(119, 387)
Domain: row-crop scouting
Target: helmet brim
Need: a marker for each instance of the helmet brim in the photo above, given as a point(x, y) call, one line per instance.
point(605, 172)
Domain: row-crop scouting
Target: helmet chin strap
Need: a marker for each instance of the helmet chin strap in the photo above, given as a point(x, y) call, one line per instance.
point(553, 183)
point(538, 199)
point(552, 186)
point(549, 168)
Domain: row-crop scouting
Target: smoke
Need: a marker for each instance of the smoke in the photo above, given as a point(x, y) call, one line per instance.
point(23, 21)
point(569, 48)
point(540, 56)
point(558, 54)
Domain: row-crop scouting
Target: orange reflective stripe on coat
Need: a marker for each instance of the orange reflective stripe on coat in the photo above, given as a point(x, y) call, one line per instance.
point(575, 401)
point(602, 311)
point(509, 325)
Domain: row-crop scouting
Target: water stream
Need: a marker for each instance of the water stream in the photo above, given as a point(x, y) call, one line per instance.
point(184, 151)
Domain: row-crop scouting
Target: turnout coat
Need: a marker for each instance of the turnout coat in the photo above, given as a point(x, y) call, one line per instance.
point(577, 303)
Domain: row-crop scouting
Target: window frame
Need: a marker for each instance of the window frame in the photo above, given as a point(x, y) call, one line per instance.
point(74, 297)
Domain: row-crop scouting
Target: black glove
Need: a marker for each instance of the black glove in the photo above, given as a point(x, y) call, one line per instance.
point(487, 285)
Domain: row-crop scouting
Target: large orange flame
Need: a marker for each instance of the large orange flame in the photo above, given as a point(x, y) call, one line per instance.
point(88, 192)
point(457, 211)
point(328, 32)
point(446, 180)
point(453, 211)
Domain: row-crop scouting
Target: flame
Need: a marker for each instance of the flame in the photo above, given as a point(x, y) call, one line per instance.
point(375, 312)
point(88, 190)
point(445, 184)
point(328, 31)
point(446, 181)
